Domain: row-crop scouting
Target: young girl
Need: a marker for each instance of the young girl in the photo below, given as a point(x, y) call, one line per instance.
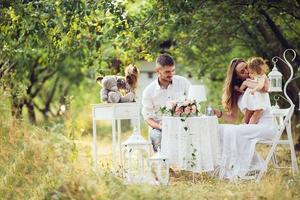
point(254, 102)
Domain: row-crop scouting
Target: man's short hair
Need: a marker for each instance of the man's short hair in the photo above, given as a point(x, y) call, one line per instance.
point(165, 60)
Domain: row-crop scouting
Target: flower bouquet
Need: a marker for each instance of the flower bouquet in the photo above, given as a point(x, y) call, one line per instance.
point(180, 108)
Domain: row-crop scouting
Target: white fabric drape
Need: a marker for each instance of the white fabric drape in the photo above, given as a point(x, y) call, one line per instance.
point(238, 146)
point(200, 138)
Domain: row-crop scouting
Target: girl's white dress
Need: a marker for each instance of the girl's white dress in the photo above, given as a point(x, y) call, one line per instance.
point(256, 101)
point(238, 154)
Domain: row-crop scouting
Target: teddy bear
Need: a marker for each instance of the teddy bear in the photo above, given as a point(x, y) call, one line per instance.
point(112, 86)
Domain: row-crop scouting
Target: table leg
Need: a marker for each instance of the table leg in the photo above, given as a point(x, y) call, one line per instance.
point(95, 145)
point(139, 125)
point(129, 175)
point(114, 145)
point(119, 142)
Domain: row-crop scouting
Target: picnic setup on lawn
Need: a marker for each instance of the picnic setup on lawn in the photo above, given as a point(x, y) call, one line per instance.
point(191, 137)
point(149, 99)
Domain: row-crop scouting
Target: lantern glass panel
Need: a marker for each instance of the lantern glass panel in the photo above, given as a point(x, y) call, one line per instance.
point(160, 170)
point(273, 82)
point(279, 82)
point(135, 163)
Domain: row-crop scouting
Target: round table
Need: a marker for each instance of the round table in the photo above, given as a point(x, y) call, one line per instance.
point(191, 143)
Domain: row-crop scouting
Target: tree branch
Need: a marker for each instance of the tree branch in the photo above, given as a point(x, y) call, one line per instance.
point(277, 33)
point(6, 68)
point(41, 83)
point(286, 11)
point(51, 95)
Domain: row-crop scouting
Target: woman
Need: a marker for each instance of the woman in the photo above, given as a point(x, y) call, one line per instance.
point(238, 141)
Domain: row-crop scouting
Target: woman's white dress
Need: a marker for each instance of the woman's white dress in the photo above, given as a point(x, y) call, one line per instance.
point(238, 155)
point(257, 100)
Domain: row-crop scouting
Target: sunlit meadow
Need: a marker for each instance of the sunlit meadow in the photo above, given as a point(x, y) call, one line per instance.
point(54, 161)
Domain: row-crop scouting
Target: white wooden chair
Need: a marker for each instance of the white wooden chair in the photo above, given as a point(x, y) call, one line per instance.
point(283, 122)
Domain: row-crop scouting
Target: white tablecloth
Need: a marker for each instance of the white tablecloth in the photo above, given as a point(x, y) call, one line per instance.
point(191, 144)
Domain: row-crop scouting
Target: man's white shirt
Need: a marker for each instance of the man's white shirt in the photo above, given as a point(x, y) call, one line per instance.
point(155, 97)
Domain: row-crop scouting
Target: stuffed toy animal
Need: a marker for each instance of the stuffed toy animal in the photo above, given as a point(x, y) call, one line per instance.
point(112, 86)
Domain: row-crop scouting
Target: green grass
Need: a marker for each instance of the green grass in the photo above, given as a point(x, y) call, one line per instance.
point(55, 162)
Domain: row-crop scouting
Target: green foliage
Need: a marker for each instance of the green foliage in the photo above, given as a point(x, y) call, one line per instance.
point(55, 43)
point(58, 44)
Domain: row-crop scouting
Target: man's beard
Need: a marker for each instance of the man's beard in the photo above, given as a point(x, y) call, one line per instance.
point(168, 79)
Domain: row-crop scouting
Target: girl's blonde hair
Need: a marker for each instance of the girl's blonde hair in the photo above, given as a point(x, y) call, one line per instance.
point(257, 64)
point(132, 75)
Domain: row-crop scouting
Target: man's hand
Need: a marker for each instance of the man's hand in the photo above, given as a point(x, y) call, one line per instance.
point(154, 124)
point(160, 125)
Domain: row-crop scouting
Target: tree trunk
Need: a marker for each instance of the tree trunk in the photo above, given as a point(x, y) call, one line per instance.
point(31, 113)
point(16, 107)
point(277, 33)
point(49, 99)
point(62, 99)
point(277, 49)
point(253, 38)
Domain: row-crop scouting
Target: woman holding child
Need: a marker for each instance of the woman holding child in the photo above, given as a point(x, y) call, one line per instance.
point(238, 141)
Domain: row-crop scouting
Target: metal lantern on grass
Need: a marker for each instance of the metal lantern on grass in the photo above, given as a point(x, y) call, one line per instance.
point(275, 78)
point(159, 166)
point(136, 151)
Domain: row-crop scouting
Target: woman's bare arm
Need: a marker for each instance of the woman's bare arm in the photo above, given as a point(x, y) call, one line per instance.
point(266, 86)
point(228, 116)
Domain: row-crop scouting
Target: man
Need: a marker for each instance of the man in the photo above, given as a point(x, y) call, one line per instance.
point(166, 87)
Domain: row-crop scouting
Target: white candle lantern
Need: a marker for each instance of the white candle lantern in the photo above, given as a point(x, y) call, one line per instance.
point(275, 78)
point(136, 151)
point(159, 166)
point(197, 92)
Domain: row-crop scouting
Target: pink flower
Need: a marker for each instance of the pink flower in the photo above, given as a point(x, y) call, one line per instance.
point(178, 110)
point(187, 110)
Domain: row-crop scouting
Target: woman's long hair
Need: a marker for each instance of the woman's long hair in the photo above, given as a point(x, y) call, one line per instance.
point(230, 95)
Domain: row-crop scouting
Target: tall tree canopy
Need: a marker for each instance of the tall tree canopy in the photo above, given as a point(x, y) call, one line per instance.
point(55, 42)
point(59, 43)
